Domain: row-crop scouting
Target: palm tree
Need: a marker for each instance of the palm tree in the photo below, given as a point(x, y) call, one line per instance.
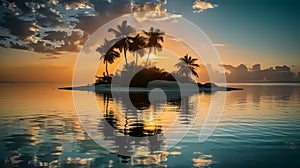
point(154, 37)
point(122, 36)
point(108, 53)
point(137, 46)
point(186, 65)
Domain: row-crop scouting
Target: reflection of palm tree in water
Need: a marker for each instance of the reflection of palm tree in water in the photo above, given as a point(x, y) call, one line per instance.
point(133, 125)
point(110, 126)
point(139, 129)
point(111, 120)
point(155, 143)
point(186, 112)
point(125, 140)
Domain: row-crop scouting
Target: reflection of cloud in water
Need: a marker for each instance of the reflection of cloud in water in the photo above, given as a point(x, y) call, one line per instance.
point(42, 140)
point(202, 160)
point(78, 161)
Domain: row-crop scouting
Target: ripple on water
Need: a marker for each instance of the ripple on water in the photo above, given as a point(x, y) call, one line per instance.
point(259, 125)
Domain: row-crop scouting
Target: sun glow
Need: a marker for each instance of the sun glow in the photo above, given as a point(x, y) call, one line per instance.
point(152, 56)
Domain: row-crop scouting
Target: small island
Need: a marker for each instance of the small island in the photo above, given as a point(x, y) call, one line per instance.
point(144, 77)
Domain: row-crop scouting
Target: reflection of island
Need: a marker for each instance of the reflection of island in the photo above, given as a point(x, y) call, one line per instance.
point(123, 134)
point(242, 73)
point(134, 127)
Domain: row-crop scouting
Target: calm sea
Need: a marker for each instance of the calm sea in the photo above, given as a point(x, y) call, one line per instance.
point(259, 127)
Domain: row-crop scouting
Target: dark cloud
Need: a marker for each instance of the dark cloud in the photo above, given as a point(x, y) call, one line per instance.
point(48, 17)
point(46, 26)
point(104, 12)
point(157, 2)
point(55, 35)
point(52, 26)
point(16, 26)
point(55, 26)
point(42, 47)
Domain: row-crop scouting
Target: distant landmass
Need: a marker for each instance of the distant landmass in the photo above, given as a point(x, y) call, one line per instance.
point(278, 74)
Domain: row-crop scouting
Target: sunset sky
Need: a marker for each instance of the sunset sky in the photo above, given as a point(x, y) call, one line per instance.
point(40, 41)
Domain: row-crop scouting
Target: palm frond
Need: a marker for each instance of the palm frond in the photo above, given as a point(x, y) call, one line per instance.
point(187, 65)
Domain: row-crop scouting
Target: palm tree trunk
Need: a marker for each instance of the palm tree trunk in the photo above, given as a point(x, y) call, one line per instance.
point(150, 49)
point(124, 49)
point(154, 50)
point(136, 59)
point(106, 68)
point(106, 101)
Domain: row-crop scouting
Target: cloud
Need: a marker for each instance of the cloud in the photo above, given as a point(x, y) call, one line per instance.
point(56, 26)
point(219, 45)
point(50, 56)
point(157, 2)
point(9, 40)
point(153, 11)
point(39, 25)
point(200, 6)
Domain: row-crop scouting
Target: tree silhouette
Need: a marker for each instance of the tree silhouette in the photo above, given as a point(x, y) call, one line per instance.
point(122, 34)
point(155, 36)
point(187, 65)
point(137, 46)
point(108, 54)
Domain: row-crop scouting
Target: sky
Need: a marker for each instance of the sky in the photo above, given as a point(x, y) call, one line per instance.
point(40, 40)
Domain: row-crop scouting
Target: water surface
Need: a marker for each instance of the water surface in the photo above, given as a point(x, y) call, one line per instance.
point(260, 127)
